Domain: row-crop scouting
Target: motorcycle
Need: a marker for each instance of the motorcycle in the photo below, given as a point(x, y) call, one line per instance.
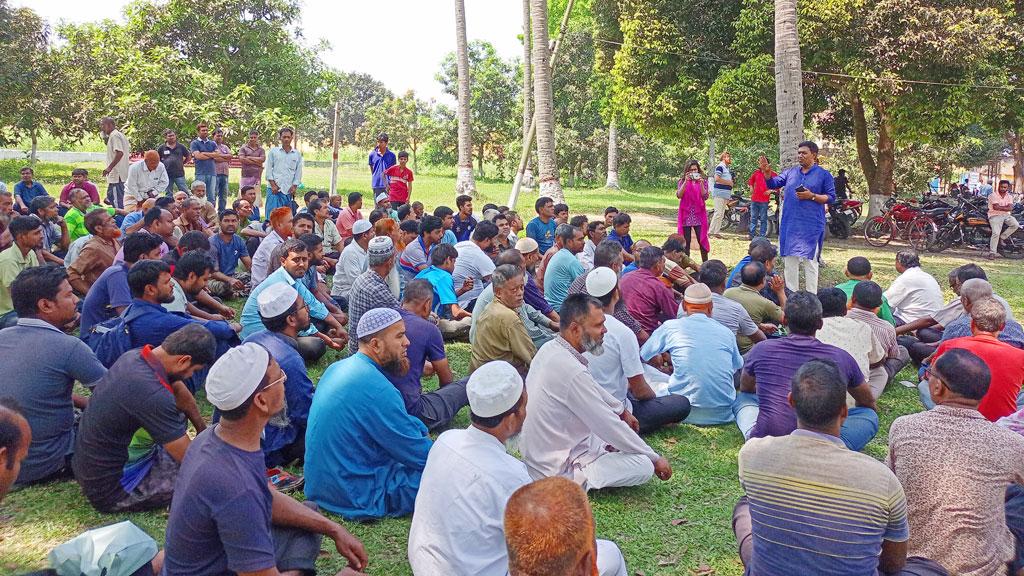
point(967, 225)
point(737, 213)
point(850, 210)
point(837, 222)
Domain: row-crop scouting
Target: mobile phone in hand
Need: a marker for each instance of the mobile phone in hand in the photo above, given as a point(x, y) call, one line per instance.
point(801, 188)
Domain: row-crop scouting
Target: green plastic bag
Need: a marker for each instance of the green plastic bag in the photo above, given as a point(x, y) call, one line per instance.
point(116, 550)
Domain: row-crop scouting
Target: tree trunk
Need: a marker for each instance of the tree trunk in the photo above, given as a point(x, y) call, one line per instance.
point(613, 156)
point(464, 183)
point(1013, 138)
point(527, 87)
point(480, 160)
point(34, 135)
point(865, 157)
point(547, 161)
point(885, 159)
point(789, 89)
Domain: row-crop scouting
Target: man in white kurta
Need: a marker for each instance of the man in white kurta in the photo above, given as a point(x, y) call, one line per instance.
point(147, 178)
point(457, 527)
point(572, 421)
point(353, 261)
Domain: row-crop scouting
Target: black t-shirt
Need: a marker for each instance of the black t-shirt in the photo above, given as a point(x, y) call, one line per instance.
point(841, 184)
point(132, 395)
point(173, 159)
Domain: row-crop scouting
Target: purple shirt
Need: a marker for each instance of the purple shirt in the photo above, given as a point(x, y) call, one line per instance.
point(425, 343)
point(221, 166)
point(648, 300)
point(774, 362)
point(534, 297)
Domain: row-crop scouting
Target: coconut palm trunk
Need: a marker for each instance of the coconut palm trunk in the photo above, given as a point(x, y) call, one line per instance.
point(613, 156)
point(789, 92)
point(547, 161)
point(465, 183)
point(527, 88)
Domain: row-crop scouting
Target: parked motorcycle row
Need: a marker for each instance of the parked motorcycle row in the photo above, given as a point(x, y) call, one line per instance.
point(839, 218)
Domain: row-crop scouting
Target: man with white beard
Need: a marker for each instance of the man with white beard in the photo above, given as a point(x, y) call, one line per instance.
point(574, 427)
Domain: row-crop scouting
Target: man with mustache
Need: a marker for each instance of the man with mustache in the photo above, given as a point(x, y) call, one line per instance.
point(98, 253)
point(364, 453)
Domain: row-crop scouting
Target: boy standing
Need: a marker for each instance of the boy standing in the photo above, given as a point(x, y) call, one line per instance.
point(400, 181)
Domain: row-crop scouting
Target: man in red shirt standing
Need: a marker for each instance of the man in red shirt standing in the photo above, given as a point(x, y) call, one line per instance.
point(399, 181)
point(759, 198)
point(1005, 362)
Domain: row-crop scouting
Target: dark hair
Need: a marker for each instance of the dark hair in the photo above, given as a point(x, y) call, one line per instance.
point(194, 240)
point(309, 196)
point(574, 308)
point(375, 215)
point(354, 197)
point(227, 212)
point(833, 302)
point(867, 294)
point(809, 145)
point(10, 432)
point(620, 219)
point(763, 252)
point(542, 202)
point(303, 216)
point(673, 245)
point(611, 210)
point(137, 244)
point(93, 220)
point(417, 290)
point(485, 230)
point(443, 212)
point(145, 273)
point(442, 252)
point(382, 136)
point(151, 216)
point(496, 420)
point(403, 154)
point(752, 273)
point(165, 201)
point(1001, 182)
point(245, 189)
point(29, 168)
point(314, 205)
point(964, 373)
point(803, 313)
point(490, 206)
point(908, 258)
point(35, 284)
point(291, 245)
point(430, 223)
point(561, 208)
point(592, 226)
point(196, 262)
point(713, 273)
point(411, 226)
point(606, 253)
point(192, 340)
point(311, 241)
point(819, 393)
point(500, 216)
point(460, 201)
point(278, 323)
point(858, 266)
point(403, 211)
point(649, 257)
point(968, 271)
point(23, 225)
point(580, 221)
point(79, 172)
point(40, 203)
point(565, 232)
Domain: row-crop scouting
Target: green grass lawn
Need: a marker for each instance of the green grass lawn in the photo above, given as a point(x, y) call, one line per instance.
point(674, 527)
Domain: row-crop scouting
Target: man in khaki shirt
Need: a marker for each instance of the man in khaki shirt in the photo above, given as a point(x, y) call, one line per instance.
point(765, 313)
point(500, 333)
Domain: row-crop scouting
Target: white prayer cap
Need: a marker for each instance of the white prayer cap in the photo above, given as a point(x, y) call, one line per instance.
point(376, 320)
point(276, 299)
point(236, 375)
point(380, 197)
point(361, 226)
point(697, 293)
point(527, 245)
point(381, 246)
point(494, 389)
point(601, 281)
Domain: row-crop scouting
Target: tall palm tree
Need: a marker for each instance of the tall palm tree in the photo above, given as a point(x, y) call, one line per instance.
point(613, 155)
point(547, 161)
point(789, 90)
point(465, 183)
point(527, 85)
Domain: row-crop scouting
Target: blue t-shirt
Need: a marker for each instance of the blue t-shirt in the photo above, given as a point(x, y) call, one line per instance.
point(425, 343)
point(543, 233)
point(444, 289)
point(463, 229)
point(220, 515)
point(563, 268)
point(27, 193)
point(204, 167)
point(298, 389)
point(379, 163)
point(626, 241)
point(110, 291)
point(228, 253)
point(449, 238)
point(130, 219)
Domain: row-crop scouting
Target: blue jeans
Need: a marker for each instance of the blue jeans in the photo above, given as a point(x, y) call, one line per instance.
point(745, 409)
point(860, 426)
point(925, 394)
point(222, 192)
point(211, 181)
point(178, 183)
point(758, 218)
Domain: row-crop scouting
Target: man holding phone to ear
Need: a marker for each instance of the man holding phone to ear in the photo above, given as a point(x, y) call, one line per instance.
point(807, 188)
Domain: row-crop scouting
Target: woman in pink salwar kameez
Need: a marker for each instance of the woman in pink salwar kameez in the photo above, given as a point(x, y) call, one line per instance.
point(692, 192)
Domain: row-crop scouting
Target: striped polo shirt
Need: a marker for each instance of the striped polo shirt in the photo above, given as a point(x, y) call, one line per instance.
point(815, 503)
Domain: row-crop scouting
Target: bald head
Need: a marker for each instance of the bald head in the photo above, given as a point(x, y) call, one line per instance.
point(15, 437)
point(549, 530)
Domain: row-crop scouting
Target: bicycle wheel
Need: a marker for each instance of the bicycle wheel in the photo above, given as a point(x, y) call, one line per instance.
point(878, 231)
point(921, 233)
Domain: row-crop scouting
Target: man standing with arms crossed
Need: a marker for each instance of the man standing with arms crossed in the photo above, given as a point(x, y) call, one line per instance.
point(284, 172)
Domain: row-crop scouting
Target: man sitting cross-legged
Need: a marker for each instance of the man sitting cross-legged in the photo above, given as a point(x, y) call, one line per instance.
point(370, 289)
point(501, 333)
point(648, 300)
point(770, 365)
point(976, 290)
point(453, 321)
point(811, 502)
point(364, 452)
point(225, 518)
point(963, 525)
point(574, 428)
point(850, 334)
point(458, 524)
point(110, 294)
point(618, 368)
point(864, 305)
point(426, 346)
point(705, 358)
point(230, 249)
point(142, 390)
point(539, 327)
point(858, 269)
point(764, 312)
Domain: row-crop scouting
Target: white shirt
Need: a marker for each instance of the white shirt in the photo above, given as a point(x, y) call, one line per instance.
point(570, 418)
point(586, 257)
point(855, 337)
point(914, 294)
point(117, 141)
point(620, 360)
point(471, 263)
point(458, 525)
point(141, 180)
point(261, 258)
point(353, 262)
point(180, 299)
